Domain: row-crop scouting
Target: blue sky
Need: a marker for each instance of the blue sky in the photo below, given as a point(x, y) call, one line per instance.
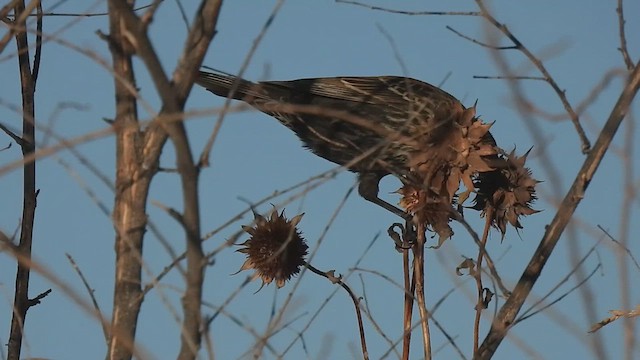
point(255, 156)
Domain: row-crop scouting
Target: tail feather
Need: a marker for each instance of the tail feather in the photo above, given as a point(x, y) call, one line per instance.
point(222, 85)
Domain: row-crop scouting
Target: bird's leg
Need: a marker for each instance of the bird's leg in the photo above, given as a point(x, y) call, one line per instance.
point(410, 236)
point(368, 187)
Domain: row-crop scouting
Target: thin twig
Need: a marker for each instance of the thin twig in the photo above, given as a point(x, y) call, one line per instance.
point(503, 77)
point(493, 47)
point(36, 300)
point(38, 52)
point(210, 256)
point(394, 48)
point(583, 105)
point(19, 24)
point(626, 249)
point(405, 12)
point(371, 318)
point(490, 263)
point(562, 281)
point(325, 302)
point(329, 174)
point(251, 330)
point(183, 13)
point(623, 38)
point(628, 170)
point(52, 14)
point(6, 9)
point(92, 296)
point(559, 298)
point(586, 145)
point(65, 288)
point(206, 151)
point(356, 303)
point(11, 134)
point(176, 215)
point(450, 338)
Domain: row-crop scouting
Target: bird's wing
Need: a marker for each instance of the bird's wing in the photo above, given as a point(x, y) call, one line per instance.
point(390, 91)
point(221, 85)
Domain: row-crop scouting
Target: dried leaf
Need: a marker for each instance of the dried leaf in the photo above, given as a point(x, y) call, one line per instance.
point(468, 264)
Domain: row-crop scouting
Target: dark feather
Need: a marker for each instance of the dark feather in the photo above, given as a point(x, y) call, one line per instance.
point(395, 105)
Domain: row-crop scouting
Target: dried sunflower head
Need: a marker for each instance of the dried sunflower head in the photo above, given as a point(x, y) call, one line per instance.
point(506, 193)
point(458, 152)
point(275, 250)
point(428, 208)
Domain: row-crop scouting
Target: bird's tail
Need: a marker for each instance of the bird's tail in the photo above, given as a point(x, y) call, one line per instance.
point(222, 85)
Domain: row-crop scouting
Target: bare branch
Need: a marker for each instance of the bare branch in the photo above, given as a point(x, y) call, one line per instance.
point(19, 24)
point(11, 134)
point(91, 292)
point(21, 301)
point(623, 38)
point(206, 151)
point(586, 145)
point(626, 249)
point(87, 15)
point(508, 77)
point(36, 300)
point(530, 311)
point(562, 296)
point(38, 53)
point(510, 309)
point(493, 47)
point(403, 12)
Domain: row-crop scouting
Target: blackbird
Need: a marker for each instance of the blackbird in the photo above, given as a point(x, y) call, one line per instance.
point(370, 125)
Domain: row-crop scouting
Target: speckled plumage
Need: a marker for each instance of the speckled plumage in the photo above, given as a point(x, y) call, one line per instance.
point(371, 124)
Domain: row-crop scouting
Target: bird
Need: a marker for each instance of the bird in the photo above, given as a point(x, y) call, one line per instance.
point(368, 124)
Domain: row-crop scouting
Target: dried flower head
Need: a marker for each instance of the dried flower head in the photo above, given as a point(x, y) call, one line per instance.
point(427, 208)
point(507, 192)
point(462, 148)
point(276, 249)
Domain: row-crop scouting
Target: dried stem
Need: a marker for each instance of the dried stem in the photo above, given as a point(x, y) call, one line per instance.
point(356, 303)
point(490, 263)
point(277, 319)
point(403, 244)
point(418, 273)
point(409, 289)
point(477, 274)
point(325, 302)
